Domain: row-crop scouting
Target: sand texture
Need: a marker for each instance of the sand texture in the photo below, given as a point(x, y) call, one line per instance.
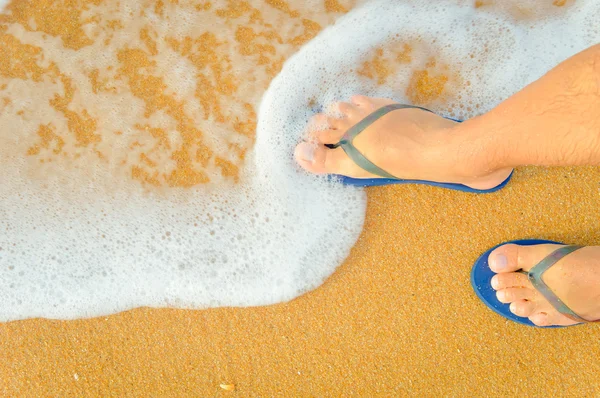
point(398, 318)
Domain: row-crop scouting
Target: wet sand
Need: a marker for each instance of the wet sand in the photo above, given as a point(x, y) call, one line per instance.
point(398, 318)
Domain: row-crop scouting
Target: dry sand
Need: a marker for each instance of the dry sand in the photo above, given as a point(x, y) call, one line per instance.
point(398, 318)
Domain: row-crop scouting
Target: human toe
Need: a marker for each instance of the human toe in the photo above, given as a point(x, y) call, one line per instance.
point(512, 294)
point(540, 319)
point(511, 279)
point(319, 159)
point(522, 308)
point(504, 259)
point(340, 112)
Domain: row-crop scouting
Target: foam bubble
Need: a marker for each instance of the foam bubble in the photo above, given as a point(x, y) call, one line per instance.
point(81, 240)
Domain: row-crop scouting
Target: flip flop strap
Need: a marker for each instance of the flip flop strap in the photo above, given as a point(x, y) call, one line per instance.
point(535, 277)
point(355, 154)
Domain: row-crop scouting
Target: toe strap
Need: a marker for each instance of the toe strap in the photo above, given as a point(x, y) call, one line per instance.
point(535, 277)
point(346, 142)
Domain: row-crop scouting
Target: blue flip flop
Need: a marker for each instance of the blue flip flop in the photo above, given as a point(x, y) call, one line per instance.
point(346, 144)
point(481, 277)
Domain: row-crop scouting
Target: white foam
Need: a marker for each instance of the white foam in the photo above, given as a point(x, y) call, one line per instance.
point(70, 250)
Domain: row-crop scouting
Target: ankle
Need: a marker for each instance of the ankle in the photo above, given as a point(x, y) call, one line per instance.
point(478, 150)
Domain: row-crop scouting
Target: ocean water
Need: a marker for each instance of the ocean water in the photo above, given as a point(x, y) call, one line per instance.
point(146, 147)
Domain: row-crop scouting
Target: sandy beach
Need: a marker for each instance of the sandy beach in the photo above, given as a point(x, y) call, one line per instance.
point(398, 317)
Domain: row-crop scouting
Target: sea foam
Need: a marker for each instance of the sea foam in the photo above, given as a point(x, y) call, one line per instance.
point(74, 243)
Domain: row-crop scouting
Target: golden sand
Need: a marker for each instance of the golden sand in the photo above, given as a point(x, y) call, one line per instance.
point(398, 318)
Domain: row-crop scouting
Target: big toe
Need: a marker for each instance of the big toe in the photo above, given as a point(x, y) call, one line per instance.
point(319, 159)
point(505, 259)
point(511, 257)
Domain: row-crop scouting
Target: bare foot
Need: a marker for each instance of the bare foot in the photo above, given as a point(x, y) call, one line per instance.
point(407, 143)
point(575, 279)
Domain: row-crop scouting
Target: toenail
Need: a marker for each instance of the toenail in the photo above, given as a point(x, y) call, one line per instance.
point(500, 262)
point(495, 283)
point(306, 152)
point(501, 295)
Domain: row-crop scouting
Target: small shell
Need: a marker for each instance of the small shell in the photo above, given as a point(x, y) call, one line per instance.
point(227, 387)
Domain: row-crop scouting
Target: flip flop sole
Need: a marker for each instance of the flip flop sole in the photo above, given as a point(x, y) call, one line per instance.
point(373, 182)
point(481, 277)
